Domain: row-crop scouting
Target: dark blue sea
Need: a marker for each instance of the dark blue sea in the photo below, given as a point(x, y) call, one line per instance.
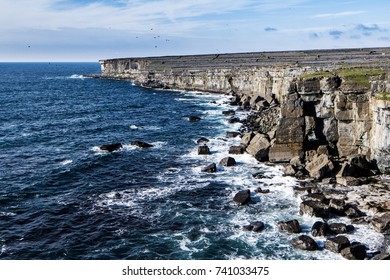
point(61, 197)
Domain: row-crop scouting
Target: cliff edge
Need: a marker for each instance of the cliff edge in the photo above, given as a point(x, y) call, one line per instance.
point(326, 112)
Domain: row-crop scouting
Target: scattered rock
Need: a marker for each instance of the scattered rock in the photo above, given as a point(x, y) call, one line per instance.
point(314, 208)
point(261, 175)
point(141, 144)
point(340, 228)
point(228, 161)
point(232, 134)
point(255, 226)
point(111, 147)
point(290, 226)
point(260, 190)
point(382, 223)
point(259, 147)
point(202, 140)
point(246, 138)
point(353, 212)
point(229, 113)
point(336, 244)
point(204, 150)
point(305, 242)
point(320, 229)
point(242, 197)
point(348, 181)
point(337, 206)
point(382, 256)
point(236, 150)
point(356, 251)
point(194, 118)
point(234, 120)
point(320, 166)
point(320, 197)
point(212, 168)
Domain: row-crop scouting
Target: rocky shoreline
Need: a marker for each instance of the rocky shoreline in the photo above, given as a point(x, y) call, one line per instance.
point(357, 192)
point(323, 114)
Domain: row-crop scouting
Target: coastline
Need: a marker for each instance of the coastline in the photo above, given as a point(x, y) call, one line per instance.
point(324, 119)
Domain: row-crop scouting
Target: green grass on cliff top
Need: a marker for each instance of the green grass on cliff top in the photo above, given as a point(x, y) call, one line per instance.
point(383, 96)
point(352, 76)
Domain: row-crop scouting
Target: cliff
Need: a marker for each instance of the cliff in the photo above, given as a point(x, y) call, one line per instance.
point(323, 111)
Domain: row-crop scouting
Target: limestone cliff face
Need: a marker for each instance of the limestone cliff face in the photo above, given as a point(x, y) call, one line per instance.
point(318, 105)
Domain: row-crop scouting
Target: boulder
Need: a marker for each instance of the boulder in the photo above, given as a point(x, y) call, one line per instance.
point(228, 112)
point(356, 251)
point(259, 147)
point(246, 138)
point(305, 242)
point(340, 228)
point(382, 256)
point(234, 120)
point(320, 166)
point(255, 226)
point(260, 190)
point(261, 175)
point(212, 168)
point(141, 144)
point(202, 140)
point(228, 161)
point(320, 197)
point(204, 150)
point(111, 147)
point(320, 229)
point(382, 223)
point(289, 170)
point(348, 181)
point(194, 118)
point(337, 206)
point(290, 226)
point(314, 208)
point(353, 212)
point(242, 197)
point(236, 150)
point(232, 134)
point(336, 244)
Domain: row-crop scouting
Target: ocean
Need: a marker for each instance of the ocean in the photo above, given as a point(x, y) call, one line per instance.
point(61, 197)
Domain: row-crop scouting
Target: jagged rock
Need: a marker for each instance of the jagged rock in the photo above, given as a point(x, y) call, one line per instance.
point(305, 242)
point(330, 130)
point(246, 138)
point(242, 197)
point(236, 150)
point(348, 181)
point(111, 147)
point(229, 113)
point(261, 175)
point(289, 170)
point(320, 229)
point(382, 256)
point(320, 197)
point(340, 228)
point(290, 226)
point(314, 208)
point(234, 120)
point(322, 150)
point(353, 212)
point(258, 147)
point(320, 166)
point(354, 252)
point(232, 134)
point(228, 161)
point(337, 206)
point(194, 118)
point(204, 150)
point(296, 162)
point(255, 226)
point(202, 140)
point(141, 144)
point(336, 244)
point(260, 190)
point(212, 168)
point(382, 223)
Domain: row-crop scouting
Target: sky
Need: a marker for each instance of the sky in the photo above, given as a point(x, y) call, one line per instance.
point(89, 30)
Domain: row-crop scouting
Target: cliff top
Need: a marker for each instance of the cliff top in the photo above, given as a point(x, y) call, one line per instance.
point(365, 57)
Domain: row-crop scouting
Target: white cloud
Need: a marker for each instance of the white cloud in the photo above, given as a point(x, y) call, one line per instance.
point(341, 14)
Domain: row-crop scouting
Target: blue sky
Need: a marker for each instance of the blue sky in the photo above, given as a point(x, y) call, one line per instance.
point(89, 30)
